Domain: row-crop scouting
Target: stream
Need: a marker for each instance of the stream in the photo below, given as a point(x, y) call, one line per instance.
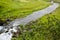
point(34, 16)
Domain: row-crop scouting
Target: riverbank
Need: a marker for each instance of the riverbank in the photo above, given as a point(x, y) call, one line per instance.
point(10, 10)
point(45, 28)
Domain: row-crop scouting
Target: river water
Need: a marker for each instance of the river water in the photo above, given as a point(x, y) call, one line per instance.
point(29, 18)
point(35, 15)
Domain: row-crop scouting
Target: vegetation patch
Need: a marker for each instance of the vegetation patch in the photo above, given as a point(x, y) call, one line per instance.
point(45, 28)
point(12, 9)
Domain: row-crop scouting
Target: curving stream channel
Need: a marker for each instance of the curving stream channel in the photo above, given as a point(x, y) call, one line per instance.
point(35, 15)
point(29, 18)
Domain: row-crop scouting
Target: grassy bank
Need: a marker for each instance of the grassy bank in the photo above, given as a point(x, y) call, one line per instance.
point(12, 9)
point(45, 28)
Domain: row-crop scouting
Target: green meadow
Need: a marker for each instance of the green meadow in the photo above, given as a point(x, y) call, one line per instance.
point(13, 9)
point(45, 28)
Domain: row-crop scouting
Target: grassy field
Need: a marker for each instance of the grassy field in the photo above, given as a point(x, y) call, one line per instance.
point(45, 28)
point(12, 9)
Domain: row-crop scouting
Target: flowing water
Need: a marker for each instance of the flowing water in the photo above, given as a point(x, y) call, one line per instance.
point(29, 18)
point(6, 36)
point(34, 15)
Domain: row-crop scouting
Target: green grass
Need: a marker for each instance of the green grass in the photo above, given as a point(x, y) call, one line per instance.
point(45, 28)
point(13, 9)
